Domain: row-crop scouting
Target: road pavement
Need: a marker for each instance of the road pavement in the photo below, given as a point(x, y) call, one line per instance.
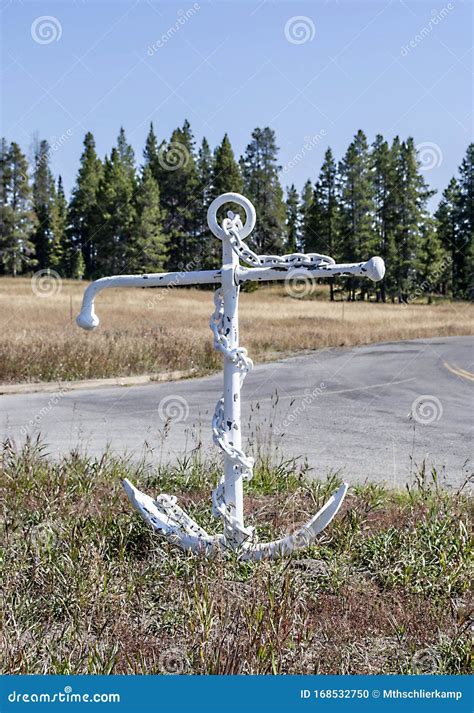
point(373, 413)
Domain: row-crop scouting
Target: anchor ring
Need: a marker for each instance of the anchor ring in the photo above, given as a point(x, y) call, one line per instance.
point(250, 216)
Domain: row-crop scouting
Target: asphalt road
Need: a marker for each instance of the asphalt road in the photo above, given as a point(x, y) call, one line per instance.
point(373, 412)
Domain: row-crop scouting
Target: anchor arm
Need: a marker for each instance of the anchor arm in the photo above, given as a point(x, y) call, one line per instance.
point(167, 518)
point(87, 318)
point(374, 269)
point(303, 537)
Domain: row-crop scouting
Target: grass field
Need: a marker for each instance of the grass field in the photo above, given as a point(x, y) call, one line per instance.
point(88, 588)
point(153, 331)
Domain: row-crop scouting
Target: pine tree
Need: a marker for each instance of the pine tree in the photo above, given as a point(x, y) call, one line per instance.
point(180, 199)
point(59, 247)
point(262, 186)
point(226, 176)
point(356, 199)
point(116, 211)
point(292, 219)
point(455, 226)
point(77, 266)
point(6, 215)
point(205, 171)
point(307, 194)
point(465, 206)
point(5, 172)
point(447, 227)
point(306, 200)
point(356, 194)
point(126, 155)
point(155, 155)
point(327, 185)
point(411, 195)
point(205, 254)
point(322, 232)
point(83, 210)
point(17, 218)
point(384, 191)
point(313, 235)
point(150, 152)
point(146, 248)
point(44, 198)
point(432, 265)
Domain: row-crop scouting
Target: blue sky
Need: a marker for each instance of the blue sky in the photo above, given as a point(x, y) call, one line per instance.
point(313, 71)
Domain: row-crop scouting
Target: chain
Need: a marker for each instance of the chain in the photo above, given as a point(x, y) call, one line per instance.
point(231, 226)
point(242, 463)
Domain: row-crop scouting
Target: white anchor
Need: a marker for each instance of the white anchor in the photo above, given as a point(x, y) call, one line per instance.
point(162, 513)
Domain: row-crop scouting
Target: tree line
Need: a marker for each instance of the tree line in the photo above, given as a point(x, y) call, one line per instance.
point(124, 219)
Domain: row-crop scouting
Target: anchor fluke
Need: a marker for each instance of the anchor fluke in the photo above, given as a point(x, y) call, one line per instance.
point(304, 536)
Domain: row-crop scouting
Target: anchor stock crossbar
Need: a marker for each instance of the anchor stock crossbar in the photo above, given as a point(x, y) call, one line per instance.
point(162, 513)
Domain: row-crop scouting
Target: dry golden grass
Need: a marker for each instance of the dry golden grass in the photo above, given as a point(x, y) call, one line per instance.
point(151, 331)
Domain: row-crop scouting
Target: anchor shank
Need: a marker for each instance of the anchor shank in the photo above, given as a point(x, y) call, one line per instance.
point(233, 477)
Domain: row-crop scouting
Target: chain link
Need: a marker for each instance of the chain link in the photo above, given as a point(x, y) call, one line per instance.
point(231, 226)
